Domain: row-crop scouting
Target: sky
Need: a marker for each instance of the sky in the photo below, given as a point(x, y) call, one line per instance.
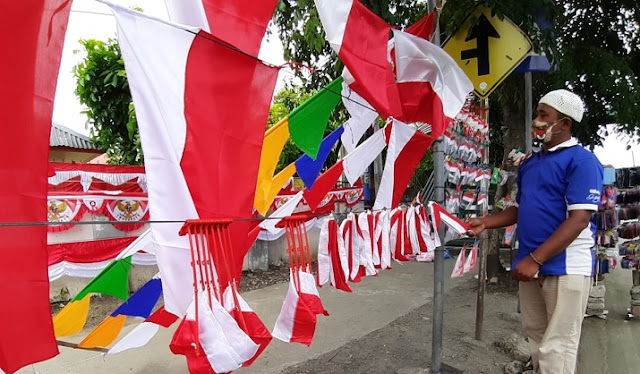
point(92, 20)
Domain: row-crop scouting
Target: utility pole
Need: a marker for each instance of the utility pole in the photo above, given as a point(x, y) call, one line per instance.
point(528, 110)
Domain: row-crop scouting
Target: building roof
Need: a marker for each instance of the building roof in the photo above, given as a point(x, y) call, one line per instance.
point(62, 136)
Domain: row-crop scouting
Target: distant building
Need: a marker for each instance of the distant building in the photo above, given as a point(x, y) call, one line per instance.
point(66, 145)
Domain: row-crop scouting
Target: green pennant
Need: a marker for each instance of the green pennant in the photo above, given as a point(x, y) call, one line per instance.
point(308, 121)
point(113, 280)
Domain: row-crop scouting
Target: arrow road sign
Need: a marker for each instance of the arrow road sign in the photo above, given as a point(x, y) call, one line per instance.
point(481, 32)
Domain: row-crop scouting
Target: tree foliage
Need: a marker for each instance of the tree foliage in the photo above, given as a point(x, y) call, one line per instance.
point(103, 87)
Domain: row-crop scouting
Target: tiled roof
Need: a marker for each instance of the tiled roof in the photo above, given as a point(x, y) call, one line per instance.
point(62, 136)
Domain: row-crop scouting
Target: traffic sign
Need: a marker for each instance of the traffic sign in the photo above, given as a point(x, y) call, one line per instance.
point(489, 50)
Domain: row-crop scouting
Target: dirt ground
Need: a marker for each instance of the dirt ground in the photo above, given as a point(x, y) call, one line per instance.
point(406, 342)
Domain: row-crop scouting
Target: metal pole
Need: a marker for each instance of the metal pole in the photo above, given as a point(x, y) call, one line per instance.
point(484, 244)
point(438, 261)
point(528, 111)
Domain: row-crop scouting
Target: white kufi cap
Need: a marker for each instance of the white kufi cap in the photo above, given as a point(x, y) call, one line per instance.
point(565, 102)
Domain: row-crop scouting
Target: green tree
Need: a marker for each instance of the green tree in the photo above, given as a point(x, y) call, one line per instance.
point(103, 87)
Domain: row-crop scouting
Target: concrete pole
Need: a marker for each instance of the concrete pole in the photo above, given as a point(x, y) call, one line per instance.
point(528, 111)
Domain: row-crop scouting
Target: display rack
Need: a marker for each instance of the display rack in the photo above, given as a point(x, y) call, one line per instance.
point(629, 214)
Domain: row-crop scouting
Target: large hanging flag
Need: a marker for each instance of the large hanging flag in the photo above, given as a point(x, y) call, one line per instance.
point(242, 23)
point(139, 304)
point(432, 87)
point(360, 39)
point(113, 280)
point(308, 168)
point(201, 109)
point(33, 34)
point(305, 125)
point(406, 147)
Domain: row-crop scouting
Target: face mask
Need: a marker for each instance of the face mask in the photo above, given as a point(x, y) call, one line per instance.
point(542, 130)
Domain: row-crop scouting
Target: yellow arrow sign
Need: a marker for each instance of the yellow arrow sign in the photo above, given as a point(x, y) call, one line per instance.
point(489, 50)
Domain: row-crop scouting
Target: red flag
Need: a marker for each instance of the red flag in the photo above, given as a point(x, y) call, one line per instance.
point(424, 27)
point(241, 23)
point(33, 34)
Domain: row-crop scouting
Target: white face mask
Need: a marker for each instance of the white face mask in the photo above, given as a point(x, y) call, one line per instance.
point(542, 130)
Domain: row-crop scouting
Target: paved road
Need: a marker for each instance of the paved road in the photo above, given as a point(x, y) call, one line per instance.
point(611, 346)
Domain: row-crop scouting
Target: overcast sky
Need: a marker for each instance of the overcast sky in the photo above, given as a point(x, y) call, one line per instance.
point(92, 20)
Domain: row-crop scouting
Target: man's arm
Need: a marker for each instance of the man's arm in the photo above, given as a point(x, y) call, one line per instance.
point(505, 218)
point(564, 235)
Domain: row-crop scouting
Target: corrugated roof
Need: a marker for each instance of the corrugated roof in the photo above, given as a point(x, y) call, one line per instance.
point(62, 136)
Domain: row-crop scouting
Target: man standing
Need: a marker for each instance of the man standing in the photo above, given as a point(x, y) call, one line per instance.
point(558, 191)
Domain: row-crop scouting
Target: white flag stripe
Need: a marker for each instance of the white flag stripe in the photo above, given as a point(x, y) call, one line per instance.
point(284, 211)
point(138, 337)
point(356, 162)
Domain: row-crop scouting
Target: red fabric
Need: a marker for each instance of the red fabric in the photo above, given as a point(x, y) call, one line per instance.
point(420, 103)
point(407, 162)
point(424, 27)
point(304, 324)
point(367, 61)
point(87, 252)
point(33, 34)
point(162, 317)
point(323, 185)
point(96, 168)
point(227, 98)
point(336, 267)
point(421, 242)
point(241, 23)
point(256, 330)
point(398, 219)
point(182, 344)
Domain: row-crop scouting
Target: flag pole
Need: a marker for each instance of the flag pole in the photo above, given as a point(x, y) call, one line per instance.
point(438, 270)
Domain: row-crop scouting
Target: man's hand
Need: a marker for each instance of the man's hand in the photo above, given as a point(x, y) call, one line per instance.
point(525, 270)
point(477, 226)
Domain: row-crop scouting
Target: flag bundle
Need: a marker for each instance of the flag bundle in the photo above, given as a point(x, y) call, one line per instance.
point(297, 319)
point(219, 332)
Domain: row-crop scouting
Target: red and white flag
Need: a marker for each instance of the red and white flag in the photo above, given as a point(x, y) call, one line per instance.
point(366, 250)
point(458, 267)
point(309, 293)
point(33, 33)
point(296, 323)
point(142, 334)
point(406, 147)
point(225, 347)
point(439, 214)
point(398, 235)
point(324, 260)
point(362, 117)
point(241, 23)
point(248, 321)
point(191, 96)
point(432, 87)
point(471, 261)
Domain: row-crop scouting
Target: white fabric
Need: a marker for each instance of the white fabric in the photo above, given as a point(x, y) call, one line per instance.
point(90, 270)
point(458, 267)
point(565, 102)
point(471, 260)
point(377, 232)
point(354, 237)
point(393, 240)
point(227, 347)
point(334, 15)
point(427, 232)
point(385, 224)
point(155, 54)
point(324, 261)
point(366, 255)
point(412, 231)
point(230, 304)
point(343, 252)
point(356, 162)
point(283, 329)
point(284, 211)
point(362, 117)
point(418, 60)
point(401, 134)
point(188, 12)
point(308, 284)
point(142, 242)
point(138, 337)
